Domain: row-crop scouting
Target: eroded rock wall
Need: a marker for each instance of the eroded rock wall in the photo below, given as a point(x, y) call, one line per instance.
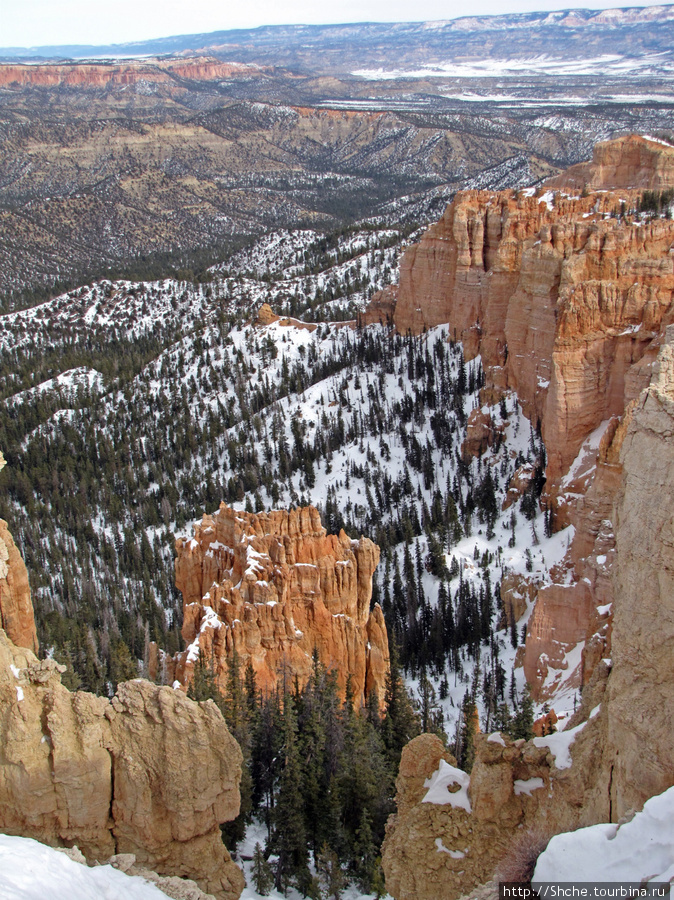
point(16, 607)
point(149, 772)
point(616, 752)
point(641, 686)
point(276, 587)
point(566, 300)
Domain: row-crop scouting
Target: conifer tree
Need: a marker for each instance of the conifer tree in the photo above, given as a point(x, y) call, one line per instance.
point(263, 877)
point(400, 723)
point(289, 832)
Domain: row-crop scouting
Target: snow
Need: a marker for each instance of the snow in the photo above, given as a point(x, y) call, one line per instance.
point(496, 738)
point(455, 854)
point(521, 786)
point(19, 693)
point(536, 65)
point(639, 850)
point(14, 670)
point(32, 871)
point(438, 787)
point(584, 461)
point(256, 833)
point(559, 745)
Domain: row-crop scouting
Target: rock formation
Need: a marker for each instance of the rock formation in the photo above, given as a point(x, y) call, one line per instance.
point(634, 162)
point(616, 751)
point(276, 587)
point(93, 75)
point(148, 772)
point(566, 300)
point(16, 608)
point(640, 701)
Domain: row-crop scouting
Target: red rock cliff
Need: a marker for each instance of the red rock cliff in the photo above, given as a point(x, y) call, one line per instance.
point(567, 301)
point(276, 587)
point(16, 607)
point(96, 75)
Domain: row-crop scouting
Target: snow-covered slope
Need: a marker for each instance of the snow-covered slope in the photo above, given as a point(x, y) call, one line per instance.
point(32, 871)
point(639, 851)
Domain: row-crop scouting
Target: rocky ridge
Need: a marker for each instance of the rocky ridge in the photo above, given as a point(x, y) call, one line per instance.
point(16, 609)
point(614, 754)
point(276, 587)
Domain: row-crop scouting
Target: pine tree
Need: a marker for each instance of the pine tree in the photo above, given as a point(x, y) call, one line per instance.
point(263, 877)
point(400, 723)
point(330, 873)
point(523, 721)
point(289, 833)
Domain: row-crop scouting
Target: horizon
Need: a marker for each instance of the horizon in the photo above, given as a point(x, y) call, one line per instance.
point(75, 23)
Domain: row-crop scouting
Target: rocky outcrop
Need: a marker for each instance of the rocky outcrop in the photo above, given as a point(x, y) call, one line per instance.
point(16, 607)
point(99, 75)
point(149, 773)
point(641, 686)
point(276, 587)
point(451, 831)
point(631, 163)
point(565, 306)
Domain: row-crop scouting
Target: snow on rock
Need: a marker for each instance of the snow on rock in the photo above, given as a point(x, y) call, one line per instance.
point(521, 786)
point(642, 849)
point(439, 783)
point(496, 738)
point(32, 871)
point(455, 854)
point(559, 745)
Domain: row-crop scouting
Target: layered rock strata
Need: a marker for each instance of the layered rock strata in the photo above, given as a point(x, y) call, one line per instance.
point(566, 300)
point(276, 587)
point(633, 163)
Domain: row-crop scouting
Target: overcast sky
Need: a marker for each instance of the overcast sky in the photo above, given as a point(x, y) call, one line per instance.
point(32, 23)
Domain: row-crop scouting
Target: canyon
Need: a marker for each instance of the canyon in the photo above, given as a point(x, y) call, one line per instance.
point(275, 589)
point(569, 302)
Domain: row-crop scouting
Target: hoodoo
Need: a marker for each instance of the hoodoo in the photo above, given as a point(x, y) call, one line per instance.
point(275, 587)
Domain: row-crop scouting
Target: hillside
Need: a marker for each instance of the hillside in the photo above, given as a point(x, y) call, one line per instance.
point(161, 166)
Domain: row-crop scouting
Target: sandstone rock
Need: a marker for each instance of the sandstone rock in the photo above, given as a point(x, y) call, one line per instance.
point(275, 587)
point(564, 304)
point(481, 433)
point(567, 304)
point(640, 688)
point(546, 724)
point(90, 75)
point(622, 752)
point(16, 607)
point(266, 315)
point(381, 307)
point(516, 592)
point(150, 772)
point(629, 163)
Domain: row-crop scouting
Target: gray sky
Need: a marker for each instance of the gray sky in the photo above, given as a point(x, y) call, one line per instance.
point(26, 23)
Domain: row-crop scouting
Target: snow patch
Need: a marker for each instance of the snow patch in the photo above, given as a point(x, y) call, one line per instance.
point(641, 850)
point(559, 744)
point(439, 783)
